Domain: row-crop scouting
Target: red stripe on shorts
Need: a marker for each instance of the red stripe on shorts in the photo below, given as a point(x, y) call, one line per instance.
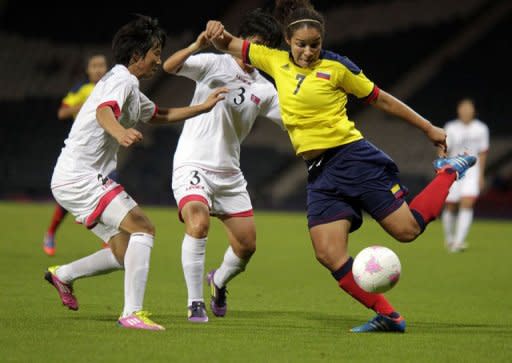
point(102, 204)
point(190, 198)
point(247, 213)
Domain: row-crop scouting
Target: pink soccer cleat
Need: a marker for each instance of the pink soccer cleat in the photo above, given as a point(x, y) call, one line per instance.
point(139, 320)
point(65, 290)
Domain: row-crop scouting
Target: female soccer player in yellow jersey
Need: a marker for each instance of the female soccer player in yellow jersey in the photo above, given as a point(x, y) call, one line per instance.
point(347, 174)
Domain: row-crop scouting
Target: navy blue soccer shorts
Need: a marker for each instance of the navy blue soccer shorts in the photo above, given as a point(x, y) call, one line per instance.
point(345, 180)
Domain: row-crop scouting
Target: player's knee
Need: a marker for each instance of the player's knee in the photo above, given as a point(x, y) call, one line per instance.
point(198, 228)
point(323, 256)
point(407, 233)
point(247, 249)
point(143, 224)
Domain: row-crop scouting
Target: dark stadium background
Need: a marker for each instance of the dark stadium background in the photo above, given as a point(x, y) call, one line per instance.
point(428, 53)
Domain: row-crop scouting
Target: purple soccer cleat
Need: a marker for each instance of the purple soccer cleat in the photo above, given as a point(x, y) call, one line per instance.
point(65, 290)
point(218, 297)
point(197, 312)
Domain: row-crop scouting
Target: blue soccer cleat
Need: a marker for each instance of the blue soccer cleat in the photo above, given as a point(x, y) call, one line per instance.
point(459, 163)
point(381, 324)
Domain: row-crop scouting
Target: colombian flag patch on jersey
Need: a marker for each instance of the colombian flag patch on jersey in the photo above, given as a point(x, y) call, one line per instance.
point(397, 191)
point(323, 75)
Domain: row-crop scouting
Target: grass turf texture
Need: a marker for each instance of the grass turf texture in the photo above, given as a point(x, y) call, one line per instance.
point(285, 308)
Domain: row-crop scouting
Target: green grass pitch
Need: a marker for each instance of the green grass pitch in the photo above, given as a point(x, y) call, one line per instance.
point(285, 308)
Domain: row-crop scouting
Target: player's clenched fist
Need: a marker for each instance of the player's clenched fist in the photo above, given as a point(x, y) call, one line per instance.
point(129, 137)
point(214, 29)
point(438, 136)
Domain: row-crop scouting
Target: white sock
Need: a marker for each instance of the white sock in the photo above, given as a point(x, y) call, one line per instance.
point(448, 219)
point(464, 221)
point(193, 253)
point(231, 266)
point(98, 263)
point(136, 266)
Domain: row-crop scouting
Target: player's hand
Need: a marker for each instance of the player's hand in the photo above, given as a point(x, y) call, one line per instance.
point(129, 137)
point(438, 136)
point(214, 30)
point(215, 97)
point(202, 41)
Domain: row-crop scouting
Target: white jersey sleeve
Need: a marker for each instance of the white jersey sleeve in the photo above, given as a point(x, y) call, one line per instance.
point(196, 67)
point(115, 93)
point(148, 108)
point(272, 111)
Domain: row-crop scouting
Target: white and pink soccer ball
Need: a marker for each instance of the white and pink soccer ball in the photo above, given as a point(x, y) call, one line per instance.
point(376, 269)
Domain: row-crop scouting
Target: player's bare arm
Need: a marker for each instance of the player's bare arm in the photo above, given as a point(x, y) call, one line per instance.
point(223, 40)
point(176, 114)
point(176, 60)
point(67, 112)
point(107, 120)
point(395, 107)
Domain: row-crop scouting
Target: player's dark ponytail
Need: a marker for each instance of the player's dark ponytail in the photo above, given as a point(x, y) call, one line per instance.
point(294, 14)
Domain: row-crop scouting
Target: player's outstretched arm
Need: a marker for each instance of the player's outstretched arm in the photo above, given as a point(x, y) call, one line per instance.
point(390, 104)
point(176, 114)
point(176, 60)
point(223, 40)
point(107, 120)
point(68, 112)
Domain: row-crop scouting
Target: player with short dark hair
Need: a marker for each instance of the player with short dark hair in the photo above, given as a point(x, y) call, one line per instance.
point(80, 181)
point(347, 174)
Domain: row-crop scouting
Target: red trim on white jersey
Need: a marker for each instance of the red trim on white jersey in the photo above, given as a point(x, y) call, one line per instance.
point(105, 200)
point(113, 105)
point(155, 112)
point(245, 52)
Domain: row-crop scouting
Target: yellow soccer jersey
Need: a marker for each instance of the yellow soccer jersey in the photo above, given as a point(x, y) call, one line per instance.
point(77, 95)
point(313, 100)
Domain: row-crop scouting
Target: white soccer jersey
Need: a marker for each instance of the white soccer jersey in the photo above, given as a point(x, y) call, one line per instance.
point(89, 149)
point(472, 138)
point(212, 140)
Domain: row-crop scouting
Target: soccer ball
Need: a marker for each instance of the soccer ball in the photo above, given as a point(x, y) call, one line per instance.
point(376, 269)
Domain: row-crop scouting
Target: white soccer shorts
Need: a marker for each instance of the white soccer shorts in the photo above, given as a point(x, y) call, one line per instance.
point(468, 186)
point(98, 202)
point(225, 193)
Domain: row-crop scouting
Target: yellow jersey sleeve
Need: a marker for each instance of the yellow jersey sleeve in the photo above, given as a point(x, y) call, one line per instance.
point(262, 57)
point(78, 95)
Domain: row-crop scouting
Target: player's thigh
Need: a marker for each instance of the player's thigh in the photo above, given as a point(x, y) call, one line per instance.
point(401, 224)
point(241, 232)
point(330, 242)
point(136, 221)
point(190, 184)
